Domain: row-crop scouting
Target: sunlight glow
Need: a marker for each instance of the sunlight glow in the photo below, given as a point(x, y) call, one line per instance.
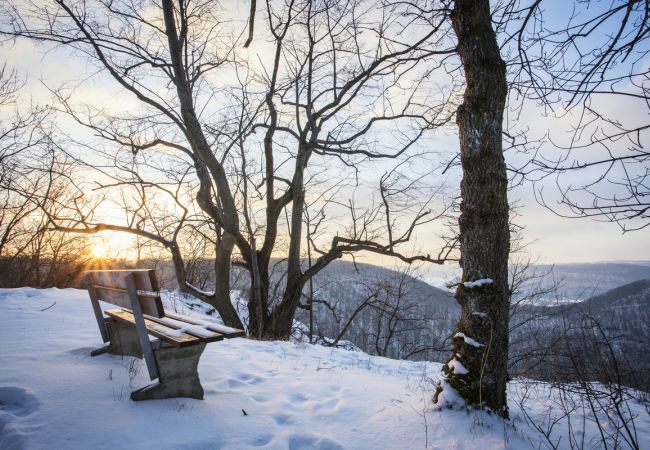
point(99, 251)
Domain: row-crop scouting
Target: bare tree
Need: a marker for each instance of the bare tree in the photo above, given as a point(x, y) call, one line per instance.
point(573, 69)
point(14, 140)
point(125, 43)
point(478, 366)
point(29, 253)
point(588, 379)
point(202, 107)
point(587, 68)
point(324, 83)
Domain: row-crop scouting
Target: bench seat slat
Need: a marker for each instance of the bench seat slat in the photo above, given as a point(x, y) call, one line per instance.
point(227, 332)
point(161, 331)
point(203, 334)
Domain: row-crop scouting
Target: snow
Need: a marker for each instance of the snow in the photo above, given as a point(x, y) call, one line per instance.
point(196, 329)
point(457, 367)
point(167, 331)
point(478, 283)
point(53, 395)
point(469, 340)
point(199, 290)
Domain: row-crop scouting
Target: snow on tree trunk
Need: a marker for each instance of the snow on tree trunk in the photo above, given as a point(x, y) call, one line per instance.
point(477, 368)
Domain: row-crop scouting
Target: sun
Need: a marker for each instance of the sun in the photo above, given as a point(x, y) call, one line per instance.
point(99, 251)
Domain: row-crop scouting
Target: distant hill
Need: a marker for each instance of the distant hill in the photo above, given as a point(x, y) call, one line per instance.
point(631, 297)
point(583, 281)
point(605, 337)
point(577, 282)
point(624, 314)
point(395, 313)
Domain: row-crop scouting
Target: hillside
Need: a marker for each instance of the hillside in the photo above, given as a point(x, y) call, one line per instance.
point(630, 300)
point(53, 395)
point(604, 337)
point(576, 281)
point(582, 281)
point(428, 315)
point(394, 313)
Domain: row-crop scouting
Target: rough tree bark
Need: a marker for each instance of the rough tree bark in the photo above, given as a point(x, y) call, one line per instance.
point(478, 366)
point(228, 216)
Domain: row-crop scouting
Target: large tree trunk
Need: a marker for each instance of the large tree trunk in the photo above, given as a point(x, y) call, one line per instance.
point(224, 211)
point(478, 366)
point(281, 318)
point(220, 300)
point(258, 306)
point(222, 282)
point(280, 321)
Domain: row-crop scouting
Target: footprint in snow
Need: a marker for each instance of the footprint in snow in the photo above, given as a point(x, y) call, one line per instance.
point(256, 380)
point(327, 406)
point(262, 440)
point(282, 419)
point(260, 398)
point(17, 401)
point(298, 397)
point(234, 383)
point(300, 441)
point(250, 379)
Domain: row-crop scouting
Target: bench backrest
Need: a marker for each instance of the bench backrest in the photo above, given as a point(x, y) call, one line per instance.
point(110, 286)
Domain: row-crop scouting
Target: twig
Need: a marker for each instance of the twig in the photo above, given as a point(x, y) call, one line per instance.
point(45, 309)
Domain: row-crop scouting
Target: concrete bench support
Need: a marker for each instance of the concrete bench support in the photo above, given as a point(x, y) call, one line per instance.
point(124, 341)
point(179, 376)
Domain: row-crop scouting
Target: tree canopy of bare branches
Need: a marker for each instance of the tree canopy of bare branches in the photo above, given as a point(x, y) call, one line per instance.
point(234, 151)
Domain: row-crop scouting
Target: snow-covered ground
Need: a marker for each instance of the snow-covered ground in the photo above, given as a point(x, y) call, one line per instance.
point(53, 395)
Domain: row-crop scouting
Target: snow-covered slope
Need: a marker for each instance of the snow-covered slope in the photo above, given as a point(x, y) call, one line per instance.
point(53, 395)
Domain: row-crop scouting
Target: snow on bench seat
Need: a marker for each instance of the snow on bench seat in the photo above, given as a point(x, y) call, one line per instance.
point(179, 330)
point(227, 331)
point(161, 331)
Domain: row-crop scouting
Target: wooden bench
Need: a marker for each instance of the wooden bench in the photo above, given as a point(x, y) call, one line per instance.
point(173, 356)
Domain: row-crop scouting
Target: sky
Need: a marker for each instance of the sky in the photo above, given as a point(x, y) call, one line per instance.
point(556, 239)
point(552, 239)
